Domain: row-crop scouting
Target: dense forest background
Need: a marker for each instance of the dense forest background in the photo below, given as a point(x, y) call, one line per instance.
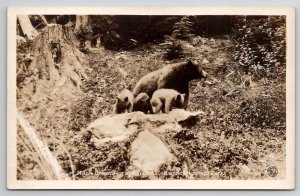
point(71, 67)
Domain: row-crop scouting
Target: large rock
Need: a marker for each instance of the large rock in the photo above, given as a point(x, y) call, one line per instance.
point(137, 134)
point(175, 116)
point(148, 152)
point(113, 128)
point(119, 127)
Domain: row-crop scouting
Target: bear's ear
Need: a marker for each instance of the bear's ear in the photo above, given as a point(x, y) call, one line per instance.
point(190, 62)
point(126, 99)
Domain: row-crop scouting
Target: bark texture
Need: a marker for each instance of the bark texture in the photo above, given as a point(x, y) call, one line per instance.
point(56, 57)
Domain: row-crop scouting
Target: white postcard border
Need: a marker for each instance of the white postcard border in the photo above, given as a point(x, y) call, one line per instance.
point(13, 183)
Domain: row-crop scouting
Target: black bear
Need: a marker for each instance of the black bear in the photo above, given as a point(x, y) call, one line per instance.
point(124, 102)
point(164, 99)
point(142, 103)
point(175, 76)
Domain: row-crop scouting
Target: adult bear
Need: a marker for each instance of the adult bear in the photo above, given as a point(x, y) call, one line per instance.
point(174, 76)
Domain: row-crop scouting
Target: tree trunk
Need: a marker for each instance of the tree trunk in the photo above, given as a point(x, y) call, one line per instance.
point(44, 20)
point(82, 22)
point(83, 26)
point(19, 29)
point(57, 60)
point(27, 27)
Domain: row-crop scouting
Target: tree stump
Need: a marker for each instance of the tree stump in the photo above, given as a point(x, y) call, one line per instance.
point(57, 59)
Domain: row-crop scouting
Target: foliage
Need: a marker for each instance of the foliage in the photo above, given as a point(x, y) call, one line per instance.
point(213, 25)
point(83, 34)
point(263, 112)
point(261, 45)
point(173, 49)
point(23, 61)
point(127, 32)
point(81, 113)
point(183, 28)
point(60, 19)
point(37, 21)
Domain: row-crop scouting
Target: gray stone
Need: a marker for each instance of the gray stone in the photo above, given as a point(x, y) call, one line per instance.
point(148, 152)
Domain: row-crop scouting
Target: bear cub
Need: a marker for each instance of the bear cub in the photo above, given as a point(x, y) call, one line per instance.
point(164, 99)
point(125, 101)
point(142, 103)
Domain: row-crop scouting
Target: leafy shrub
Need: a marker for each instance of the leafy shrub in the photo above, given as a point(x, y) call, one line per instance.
point(81, 113)
point(174, 49)
point(83, 34)
point(127, 32)
point(23, 61)
point(263, 112)
point(261, 45)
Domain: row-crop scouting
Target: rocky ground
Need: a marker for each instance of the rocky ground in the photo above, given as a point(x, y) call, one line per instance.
point(239, 135)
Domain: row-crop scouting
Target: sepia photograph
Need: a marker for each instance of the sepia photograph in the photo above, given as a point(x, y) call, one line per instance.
point(151, 97)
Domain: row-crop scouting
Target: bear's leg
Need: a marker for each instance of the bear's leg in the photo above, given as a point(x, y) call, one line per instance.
point(114, 109)
point(155, 109)
point(130, 108)
point(168, 105)
point(117, 109)
point(149, 108)
point(184, 89)
point(186, 100)
point(157, 106)
point(186, 97)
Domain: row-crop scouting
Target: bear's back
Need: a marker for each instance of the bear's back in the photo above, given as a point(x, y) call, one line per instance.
point(165, 93)
point(173, 76)
point(147, 84)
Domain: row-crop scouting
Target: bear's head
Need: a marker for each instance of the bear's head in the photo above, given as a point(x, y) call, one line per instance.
point(123, 98)
point(122, 102)
point(142, 100)
point(197, 71)
point(142, 97)
point(179, 100)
